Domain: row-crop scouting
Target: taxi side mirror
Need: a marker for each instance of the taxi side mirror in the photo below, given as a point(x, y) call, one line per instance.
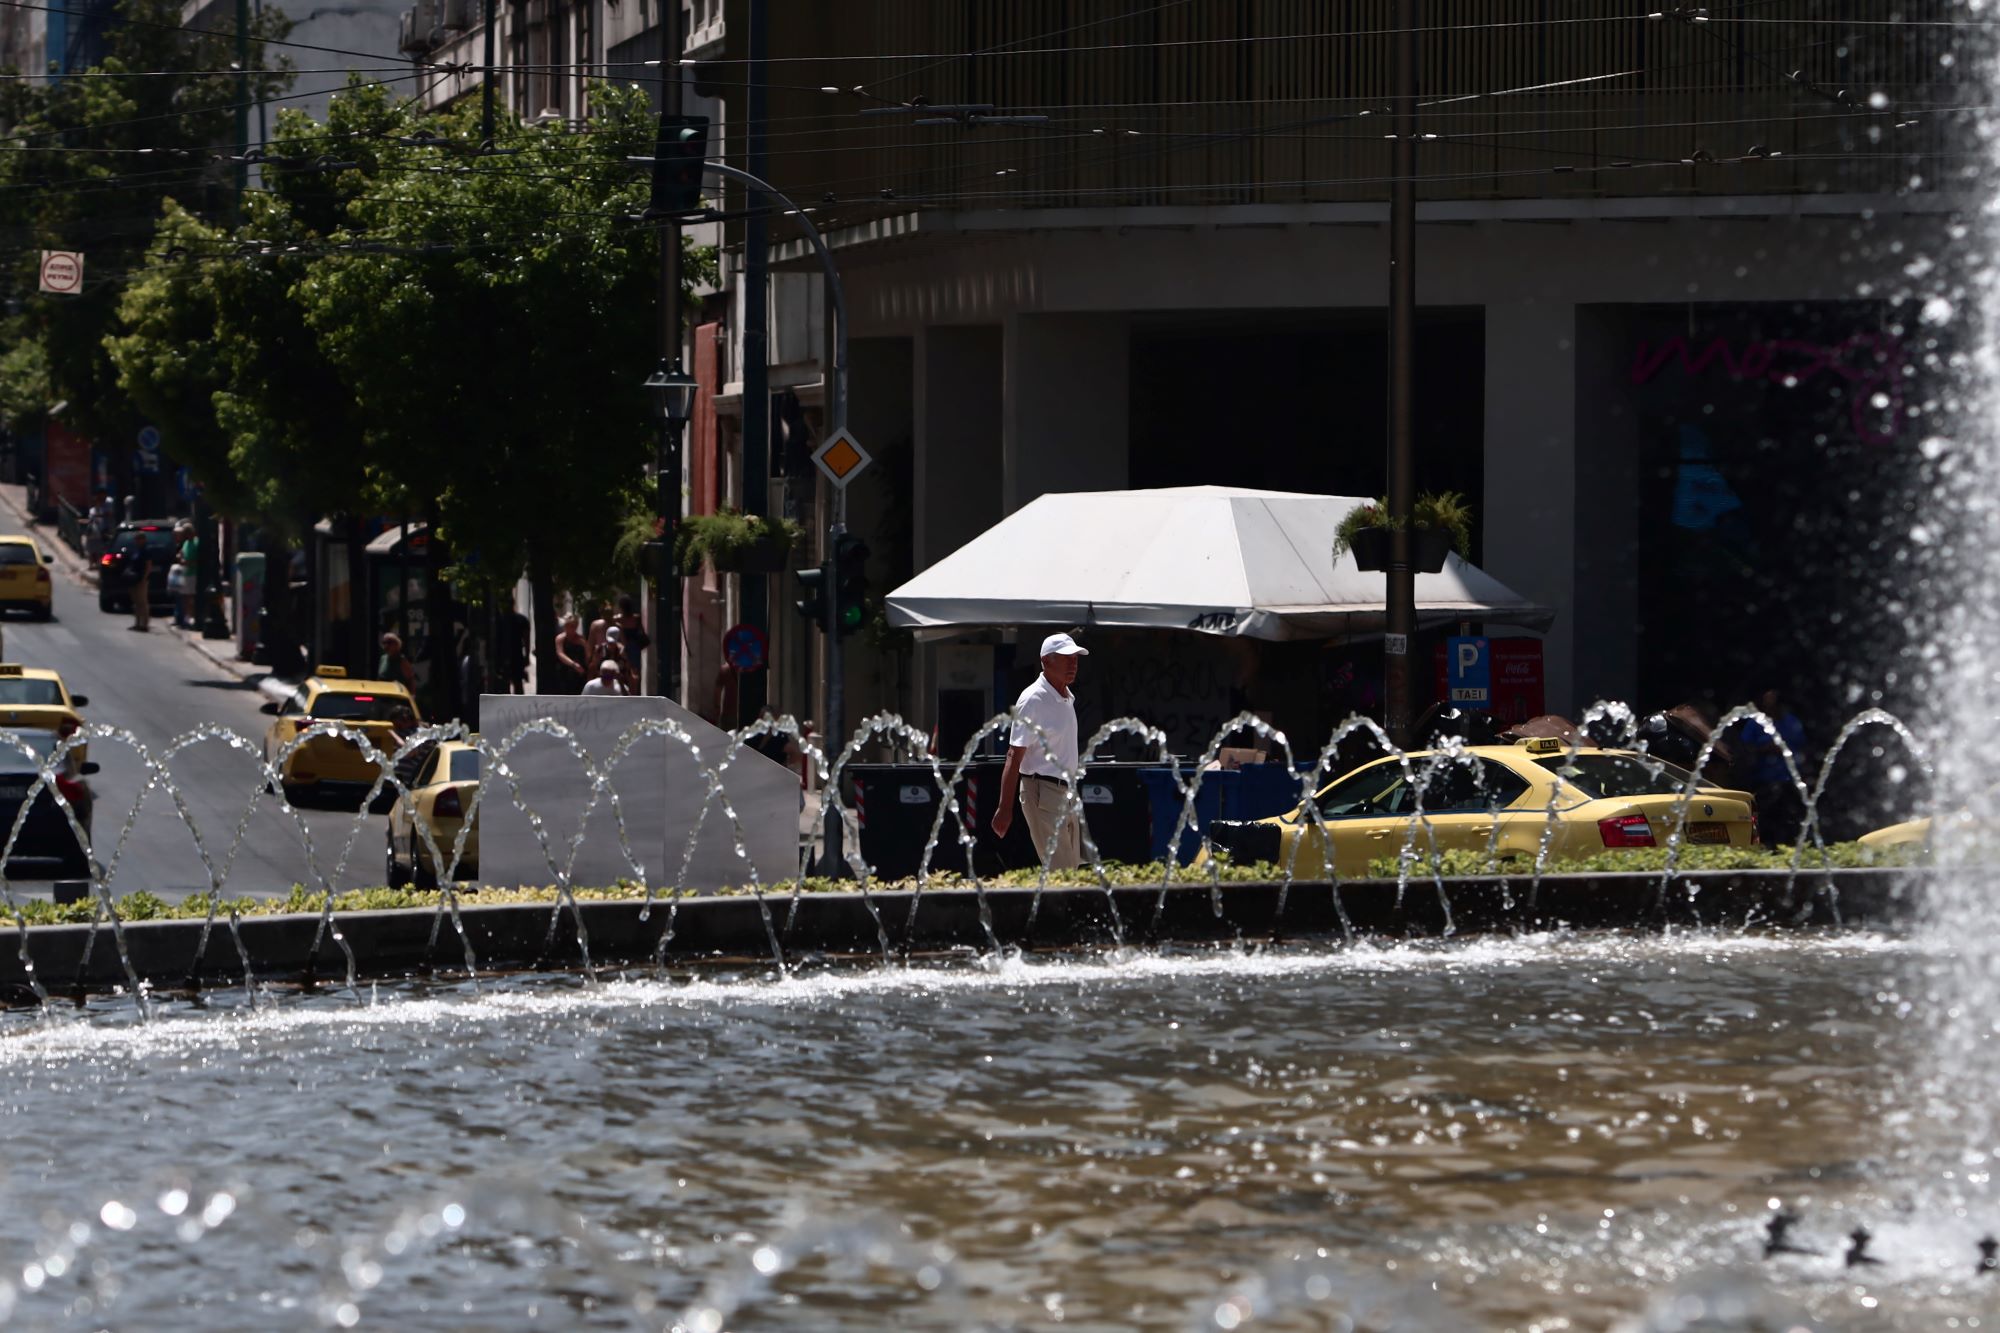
point(79, 700)
point(269, 706)
point(91, 766)
point(48, 560)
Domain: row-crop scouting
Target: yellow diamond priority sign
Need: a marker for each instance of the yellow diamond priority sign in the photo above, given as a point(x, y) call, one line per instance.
point(841, 458)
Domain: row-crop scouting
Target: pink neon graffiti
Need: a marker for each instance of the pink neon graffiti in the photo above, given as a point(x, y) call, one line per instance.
point(1871, 362)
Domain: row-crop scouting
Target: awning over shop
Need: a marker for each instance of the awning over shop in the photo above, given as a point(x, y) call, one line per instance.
point(1211, 559)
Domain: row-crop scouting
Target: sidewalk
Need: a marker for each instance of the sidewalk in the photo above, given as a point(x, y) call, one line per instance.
point(14, 512)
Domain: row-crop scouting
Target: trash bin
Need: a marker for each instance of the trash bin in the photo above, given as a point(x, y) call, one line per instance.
point(1262, 790)
point(1166, 801)
point(896, 804)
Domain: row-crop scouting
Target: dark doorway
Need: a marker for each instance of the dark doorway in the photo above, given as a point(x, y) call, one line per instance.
point(1297, 401)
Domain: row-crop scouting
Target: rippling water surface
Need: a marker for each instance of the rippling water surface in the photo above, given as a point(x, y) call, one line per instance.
point(1538, 1133)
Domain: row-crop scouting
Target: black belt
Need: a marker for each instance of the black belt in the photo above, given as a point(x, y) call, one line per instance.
point(1044, 777)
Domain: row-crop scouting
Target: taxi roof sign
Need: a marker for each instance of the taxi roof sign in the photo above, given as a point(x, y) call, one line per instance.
point(1542, 745)
point(10, 668)
point(841, 457)
point(330, 672)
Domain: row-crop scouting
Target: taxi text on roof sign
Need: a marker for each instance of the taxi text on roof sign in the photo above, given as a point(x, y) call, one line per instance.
point(10, 668)
point(841, 458)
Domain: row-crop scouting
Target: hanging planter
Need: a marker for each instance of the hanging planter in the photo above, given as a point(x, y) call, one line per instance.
point(1370, 547)
point(730, 542)
point(1442, 524)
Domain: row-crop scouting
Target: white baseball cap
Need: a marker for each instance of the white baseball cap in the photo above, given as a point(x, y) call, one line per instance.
point(1063, 645)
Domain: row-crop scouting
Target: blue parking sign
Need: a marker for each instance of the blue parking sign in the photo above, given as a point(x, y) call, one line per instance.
point(1468, 670)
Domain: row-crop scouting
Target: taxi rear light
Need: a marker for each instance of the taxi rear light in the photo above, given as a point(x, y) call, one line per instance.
point(1626, 831)
point(66, 727)
point(41, 576)
point(448, 805)
point(72, 790)
point(1756, 833)
point(364, 698)
point(107, 559)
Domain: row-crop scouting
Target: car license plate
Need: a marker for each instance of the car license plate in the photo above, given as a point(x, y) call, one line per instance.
point(1708, 833)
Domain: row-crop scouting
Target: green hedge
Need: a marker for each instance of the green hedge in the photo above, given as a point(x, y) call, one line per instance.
point(144, 906)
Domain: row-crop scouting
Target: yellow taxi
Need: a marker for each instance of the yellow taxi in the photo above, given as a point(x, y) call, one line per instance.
point(24, 577)
point(1495, 797)
point(327, 763)
point(36, 697)
point(442, 786)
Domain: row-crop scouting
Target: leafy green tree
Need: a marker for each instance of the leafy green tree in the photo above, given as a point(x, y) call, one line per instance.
point(497, 340)
point(92, 158)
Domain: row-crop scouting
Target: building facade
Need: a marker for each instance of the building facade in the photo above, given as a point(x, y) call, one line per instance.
point(1665, 343)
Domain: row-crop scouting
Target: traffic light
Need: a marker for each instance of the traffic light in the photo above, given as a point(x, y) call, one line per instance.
point(850, 581)
point(678, 155)
point(812, 594)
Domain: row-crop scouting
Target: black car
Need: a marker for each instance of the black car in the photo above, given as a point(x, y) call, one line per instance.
point(116, 567)
point(47, 843)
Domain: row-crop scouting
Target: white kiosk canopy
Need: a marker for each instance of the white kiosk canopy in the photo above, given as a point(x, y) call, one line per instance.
point(1212, 559)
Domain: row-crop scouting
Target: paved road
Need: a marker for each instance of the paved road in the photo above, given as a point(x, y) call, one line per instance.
point(160, 688)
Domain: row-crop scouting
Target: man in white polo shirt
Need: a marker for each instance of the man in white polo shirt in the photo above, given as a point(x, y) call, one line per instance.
point(1041, 753)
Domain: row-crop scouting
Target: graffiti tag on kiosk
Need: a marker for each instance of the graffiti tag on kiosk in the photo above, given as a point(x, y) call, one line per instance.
point(1216, 622)
point(1871, 362)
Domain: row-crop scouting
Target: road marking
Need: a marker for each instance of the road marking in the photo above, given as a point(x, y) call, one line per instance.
point(66, 637)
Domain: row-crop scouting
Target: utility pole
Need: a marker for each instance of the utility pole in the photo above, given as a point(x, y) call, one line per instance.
point(667, 462)
point(208, 533)
point(753, 687)
point(1400, 602)
point(486, 89)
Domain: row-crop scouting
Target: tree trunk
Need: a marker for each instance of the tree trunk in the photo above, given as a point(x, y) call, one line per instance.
point(278, 635)
point(549, 678)
point(444, 642)
point(360, 623)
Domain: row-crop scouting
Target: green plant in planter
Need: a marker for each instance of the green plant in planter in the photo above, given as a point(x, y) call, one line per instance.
point(734, 542)
point(1446, 511)
point(1369, 514)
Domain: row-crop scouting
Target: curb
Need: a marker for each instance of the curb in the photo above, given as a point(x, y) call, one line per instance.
point(76, 960)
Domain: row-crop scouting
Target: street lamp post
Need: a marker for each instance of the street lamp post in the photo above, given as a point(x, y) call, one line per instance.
point(673, 392)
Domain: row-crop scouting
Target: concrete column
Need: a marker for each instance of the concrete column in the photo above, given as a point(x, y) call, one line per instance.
point(1531, 469)
point(957, 411)
point(1066, 422)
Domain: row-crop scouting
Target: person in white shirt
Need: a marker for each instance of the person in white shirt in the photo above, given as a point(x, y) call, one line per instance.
point(608, 680)
point(1041, 753)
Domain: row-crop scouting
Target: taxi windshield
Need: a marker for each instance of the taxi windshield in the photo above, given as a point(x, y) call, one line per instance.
point(17, 553)
point(22, 690)
point(359, 707)
point(1619, 775)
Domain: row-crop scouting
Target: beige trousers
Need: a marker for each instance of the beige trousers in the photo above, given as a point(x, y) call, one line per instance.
point(1042, 804)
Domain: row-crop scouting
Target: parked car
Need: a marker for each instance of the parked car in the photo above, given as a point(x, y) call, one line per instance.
point(442, 785)
point(47, 843)
point(1603, 799)
point(116, 567)
point(24, 579)
point(327, 764)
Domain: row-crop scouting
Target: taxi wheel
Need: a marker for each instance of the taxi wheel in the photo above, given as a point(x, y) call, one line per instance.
point(46, 611)
point(296, 793)
point(394, 875)
point(421, 871)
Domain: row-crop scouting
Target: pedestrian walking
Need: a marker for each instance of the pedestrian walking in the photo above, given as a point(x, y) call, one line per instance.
point(511, 654)
point(634, 636)
point(608, 680)
point(573, 657)
point(395, 665)
point(1780, 809)
point(142, 586)
point(1042, 755)
point(187, 560)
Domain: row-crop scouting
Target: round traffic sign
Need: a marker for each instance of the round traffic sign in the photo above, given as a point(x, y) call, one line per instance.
point(746, 647)
point(61, 273)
